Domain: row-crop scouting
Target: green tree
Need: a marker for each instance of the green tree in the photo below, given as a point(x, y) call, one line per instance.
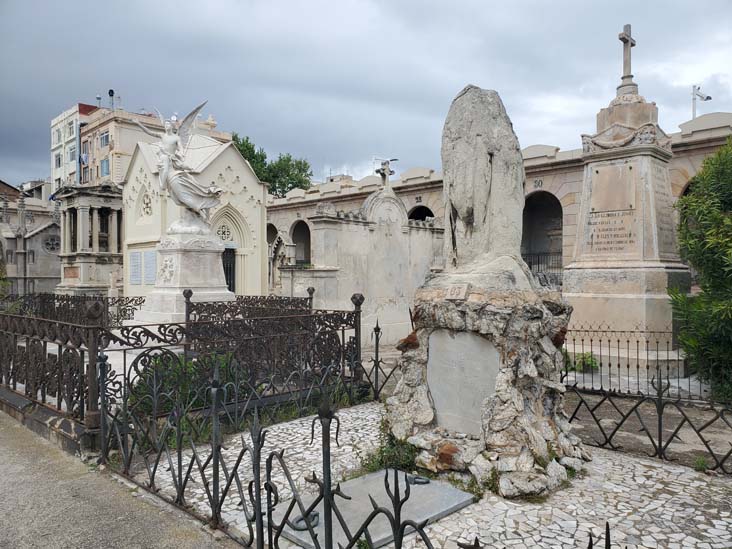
point(288, 173)
point(281, 175)
point(705, 238)
point(257, 158)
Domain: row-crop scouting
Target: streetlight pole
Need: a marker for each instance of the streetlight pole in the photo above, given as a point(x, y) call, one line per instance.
point(697, 94)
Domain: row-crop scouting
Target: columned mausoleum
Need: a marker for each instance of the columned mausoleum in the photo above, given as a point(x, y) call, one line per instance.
point(91, 238)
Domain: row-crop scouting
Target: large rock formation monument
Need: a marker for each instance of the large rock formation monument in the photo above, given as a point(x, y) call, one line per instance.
point(481, 388)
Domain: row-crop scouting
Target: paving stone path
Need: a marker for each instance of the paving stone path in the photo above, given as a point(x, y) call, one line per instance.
point(649, 503)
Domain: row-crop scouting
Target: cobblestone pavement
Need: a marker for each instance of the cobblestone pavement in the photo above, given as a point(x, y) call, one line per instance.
point(649, 503)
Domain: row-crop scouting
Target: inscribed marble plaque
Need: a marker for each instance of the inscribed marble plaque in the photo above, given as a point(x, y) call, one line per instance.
point(135, 268)
point(461, 373)
point(612, 222)
point(150, 266)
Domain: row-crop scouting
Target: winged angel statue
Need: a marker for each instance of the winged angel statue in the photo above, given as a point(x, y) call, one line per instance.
point(176, 177)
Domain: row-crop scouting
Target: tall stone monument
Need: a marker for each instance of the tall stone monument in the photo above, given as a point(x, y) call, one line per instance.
point(481, 388)
point(626, 255)
point(189, 257)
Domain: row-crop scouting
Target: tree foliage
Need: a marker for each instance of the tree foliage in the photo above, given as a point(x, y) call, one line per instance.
point(281, 175)
point(705, 237)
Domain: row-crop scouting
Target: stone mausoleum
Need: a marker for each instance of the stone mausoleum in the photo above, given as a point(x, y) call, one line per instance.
point(306, 248)
point(238, 221)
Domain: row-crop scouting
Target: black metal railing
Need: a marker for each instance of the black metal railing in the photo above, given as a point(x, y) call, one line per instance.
point(72, 309)
point(168, 437)
point(547, 265)
point(250, 306)
point(53, 361)
point(622, 383)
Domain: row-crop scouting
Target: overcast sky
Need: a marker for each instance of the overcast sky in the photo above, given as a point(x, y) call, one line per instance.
point(343, 81)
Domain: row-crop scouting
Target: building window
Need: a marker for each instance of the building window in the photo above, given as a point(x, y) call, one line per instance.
point(104, 139)
point(57, 160)
point(224, 232)
point(72, 154)
point(10, 257)
point(70, 129)
point(104, 166)
point(31, 256)
point(147, 205)
point(57, 184)
point(57, 136)
point(85, 147)
point(85, 174)
point(52, 243)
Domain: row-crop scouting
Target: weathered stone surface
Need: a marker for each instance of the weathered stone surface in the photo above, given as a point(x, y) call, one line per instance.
point(511, 485)
point(482, 468)
point(483, 179)
point(556, 474)
point(487, 301)
point(572, 463)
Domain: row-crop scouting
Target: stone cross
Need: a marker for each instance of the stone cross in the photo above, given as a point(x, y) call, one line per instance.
point(627, 86)
point(385, 171)
point(628, 42)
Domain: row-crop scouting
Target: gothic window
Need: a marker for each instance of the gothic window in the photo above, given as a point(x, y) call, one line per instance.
point(224, 231)
point(52, 243)
point(146, 204)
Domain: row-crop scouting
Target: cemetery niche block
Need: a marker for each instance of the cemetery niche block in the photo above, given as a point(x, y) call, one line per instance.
point(481, 387)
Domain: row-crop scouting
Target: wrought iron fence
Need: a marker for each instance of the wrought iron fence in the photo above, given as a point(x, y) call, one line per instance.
point(627, 383)
point(548, 265)
point(72, 309)
point(249, 306)
point(168, 437)
point(53, 362)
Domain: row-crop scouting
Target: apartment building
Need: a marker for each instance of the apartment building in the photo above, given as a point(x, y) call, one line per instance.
point(65, 139)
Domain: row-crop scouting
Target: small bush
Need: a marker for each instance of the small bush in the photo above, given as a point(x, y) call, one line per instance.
point(493, 481)
point(701, 464)
point(582, 362)
point(391, 453)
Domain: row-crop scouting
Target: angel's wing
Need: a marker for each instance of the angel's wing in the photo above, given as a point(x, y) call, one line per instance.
point(184, 130)
point(160, 116)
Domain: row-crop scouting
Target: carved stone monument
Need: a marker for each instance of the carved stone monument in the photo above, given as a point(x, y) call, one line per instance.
point(190, 256)
point(626, 255)
point(481, 388)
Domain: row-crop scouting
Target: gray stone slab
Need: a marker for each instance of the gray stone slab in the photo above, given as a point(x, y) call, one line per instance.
point(426, 502)
point(461, 373)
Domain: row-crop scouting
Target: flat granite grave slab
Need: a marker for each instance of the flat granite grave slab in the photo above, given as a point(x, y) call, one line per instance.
point(431, 501)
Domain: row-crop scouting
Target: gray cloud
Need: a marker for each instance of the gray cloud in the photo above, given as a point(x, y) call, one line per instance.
point(339, 82)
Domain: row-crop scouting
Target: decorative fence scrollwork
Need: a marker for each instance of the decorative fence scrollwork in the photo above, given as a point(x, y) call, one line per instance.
point(636, 382)
point(73, 309)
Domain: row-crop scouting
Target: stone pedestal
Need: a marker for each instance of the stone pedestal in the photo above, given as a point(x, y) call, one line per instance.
point(185, 262)
point(626, 255)
point(480, 387)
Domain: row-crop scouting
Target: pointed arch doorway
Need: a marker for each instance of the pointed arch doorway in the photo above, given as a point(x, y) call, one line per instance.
point(229, 226)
